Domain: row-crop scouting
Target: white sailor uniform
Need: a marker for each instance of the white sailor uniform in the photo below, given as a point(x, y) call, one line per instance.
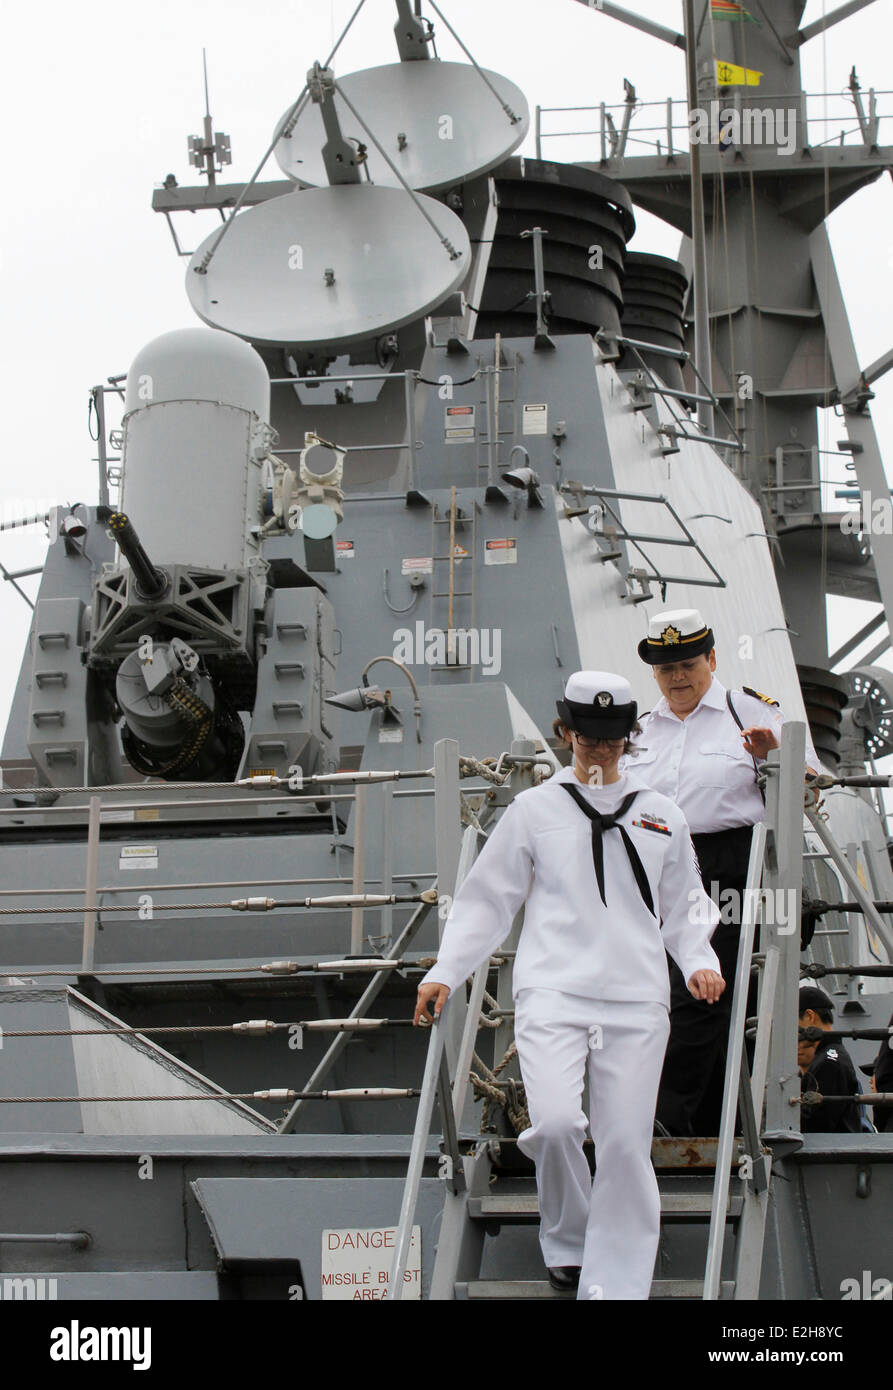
point(590, 983)
point(700, 763)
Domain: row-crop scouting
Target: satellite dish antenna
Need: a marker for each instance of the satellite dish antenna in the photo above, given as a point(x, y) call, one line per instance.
point(439, 123)
point(328, 267)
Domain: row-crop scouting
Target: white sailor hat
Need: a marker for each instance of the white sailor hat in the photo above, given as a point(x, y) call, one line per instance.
point(674, 636)
point(598, 703)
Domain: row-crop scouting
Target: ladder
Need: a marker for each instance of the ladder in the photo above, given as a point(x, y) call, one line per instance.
point(446, 552)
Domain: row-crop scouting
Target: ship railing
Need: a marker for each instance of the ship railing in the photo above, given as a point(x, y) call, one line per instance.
point(447, 772)
point(437, 1085)
point(641, 393)
point(609, 532)
point(116, 801)
point(663, 127)
point(451, 1043)
point(768, 1098)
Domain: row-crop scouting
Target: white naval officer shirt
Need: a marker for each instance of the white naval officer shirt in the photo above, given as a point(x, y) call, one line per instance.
point(541, 852)
point(700, 762)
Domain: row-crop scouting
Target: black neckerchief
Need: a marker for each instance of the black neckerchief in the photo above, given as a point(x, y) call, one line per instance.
point(601, 823)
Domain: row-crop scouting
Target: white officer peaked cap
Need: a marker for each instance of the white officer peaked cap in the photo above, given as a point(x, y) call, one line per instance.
point(598, 703)
point(675, 635)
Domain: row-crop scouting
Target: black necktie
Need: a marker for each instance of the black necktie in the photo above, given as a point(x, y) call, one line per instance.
point(600, 824)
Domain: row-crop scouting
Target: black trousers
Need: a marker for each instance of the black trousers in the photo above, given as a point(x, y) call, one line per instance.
point(690, 1096)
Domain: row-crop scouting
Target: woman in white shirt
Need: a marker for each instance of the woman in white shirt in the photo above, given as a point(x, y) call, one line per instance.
point(606, 869)
point(701, 746)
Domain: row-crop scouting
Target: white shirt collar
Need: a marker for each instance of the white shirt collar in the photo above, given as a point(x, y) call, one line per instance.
point(714, 698)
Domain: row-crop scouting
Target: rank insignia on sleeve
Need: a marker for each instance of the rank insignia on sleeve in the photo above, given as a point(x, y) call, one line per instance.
point(758, 695)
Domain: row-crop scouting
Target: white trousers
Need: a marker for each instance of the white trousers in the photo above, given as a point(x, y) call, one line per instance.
point(609, 1226)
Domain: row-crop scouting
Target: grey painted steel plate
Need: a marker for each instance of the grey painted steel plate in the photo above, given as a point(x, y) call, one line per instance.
point(267, 281)
point(454, 126)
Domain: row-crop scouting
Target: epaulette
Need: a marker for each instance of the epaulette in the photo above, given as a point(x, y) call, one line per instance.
point(758, 695)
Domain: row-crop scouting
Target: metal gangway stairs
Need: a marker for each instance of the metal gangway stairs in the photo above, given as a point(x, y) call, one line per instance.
point(720, 1185)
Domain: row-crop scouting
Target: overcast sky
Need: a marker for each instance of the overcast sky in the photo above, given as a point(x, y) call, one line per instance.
point(98, 99)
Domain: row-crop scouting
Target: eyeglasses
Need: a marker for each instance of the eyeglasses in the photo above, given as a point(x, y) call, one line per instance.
point(596, 742)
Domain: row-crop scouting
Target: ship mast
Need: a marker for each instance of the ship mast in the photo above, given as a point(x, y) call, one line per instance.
point(782, 346)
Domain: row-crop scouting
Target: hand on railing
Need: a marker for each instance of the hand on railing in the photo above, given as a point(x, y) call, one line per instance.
point(438, 994)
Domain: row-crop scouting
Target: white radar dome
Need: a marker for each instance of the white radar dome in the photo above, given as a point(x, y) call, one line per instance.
point(199, 364)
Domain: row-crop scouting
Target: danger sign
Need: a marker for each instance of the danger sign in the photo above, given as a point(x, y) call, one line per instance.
point(356, 1263)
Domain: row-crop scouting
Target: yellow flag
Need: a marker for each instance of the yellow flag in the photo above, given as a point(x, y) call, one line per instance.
point(731, 75)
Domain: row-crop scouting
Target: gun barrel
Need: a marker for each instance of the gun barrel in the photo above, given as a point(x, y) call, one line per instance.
point(150, 582)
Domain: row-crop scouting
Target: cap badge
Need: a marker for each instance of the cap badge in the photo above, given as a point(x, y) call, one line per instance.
point(604, 698)
point(670, 636)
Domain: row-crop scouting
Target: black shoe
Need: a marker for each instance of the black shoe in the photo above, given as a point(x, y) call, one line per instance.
point(565, 1278)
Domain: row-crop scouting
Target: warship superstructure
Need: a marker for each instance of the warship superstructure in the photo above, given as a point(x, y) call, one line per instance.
point(440, 440)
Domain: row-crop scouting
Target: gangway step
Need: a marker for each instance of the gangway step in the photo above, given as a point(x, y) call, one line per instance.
point(679, 1156)
point(524, 1290)
point(523, 1207)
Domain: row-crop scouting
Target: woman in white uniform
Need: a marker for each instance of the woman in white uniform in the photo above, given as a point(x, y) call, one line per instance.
point(606, 869)
point(701, 746)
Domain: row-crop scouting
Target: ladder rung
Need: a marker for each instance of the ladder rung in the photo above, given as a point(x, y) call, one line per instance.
point(526, 1289)
point(667, 1155)
point(523, 1289)
point(523, 1207)
point(688, 1288)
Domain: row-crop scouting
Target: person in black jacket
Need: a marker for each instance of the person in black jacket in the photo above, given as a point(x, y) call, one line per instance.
point(881, 1073)
point(826, 1069)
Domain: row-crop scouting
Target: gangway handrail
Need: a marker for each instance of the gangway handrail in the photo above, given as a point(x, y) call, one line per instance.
point(436, 1081)
point(734, 1058)
point(777, 852)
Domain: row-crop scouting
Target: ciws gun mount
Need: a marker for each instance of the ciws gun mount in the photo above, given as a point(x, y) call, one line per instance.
point(188, 655)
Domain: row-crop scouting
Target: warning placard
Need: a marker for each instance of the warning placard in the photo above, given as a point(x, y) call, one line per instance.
point(535, 419)
point(356, 1263)
point(138, 857)
point(458, 423)
point(502, 552)
point(417, 564)
point(346, 550)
